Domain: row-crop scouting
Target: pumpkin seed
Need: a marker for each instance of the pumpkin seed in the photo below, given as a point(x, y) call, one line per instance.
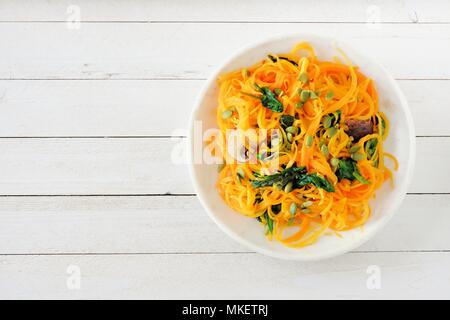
point(293, 208)
point(358, 156)
point(292, 130)
point(324, 150)
point(278, 91)
point(334, 162)
point(303, 77)
point(289, 136)
point(227, 114)
point(309, 140)
point(332, 131)
point(327, 122)
point(240, 172)
point(354, 149)
point(288, 187)
point(299, 104)
point(305, 95)
point(306, 204)
point(313, 95)
point(329, 95)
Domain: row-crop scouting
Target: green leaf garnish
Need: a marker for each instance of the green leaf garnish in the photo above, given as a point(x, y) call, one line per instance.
point(347, 169)
point(278, 91)
point(315, 180)
point(360, 178)
point(303, 77)
point(370, 147)
point(269, 222)
point(329, 95)
point(281, 178)
point(274, 59)
point(295, 175)
point(313, 95)
point(304, 95)
point(299, 104)
point(269, 99)
point(286, 120)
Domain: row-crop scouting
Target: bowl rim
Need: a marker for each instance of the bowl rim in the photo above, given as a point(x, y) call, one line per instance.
point(408, 172)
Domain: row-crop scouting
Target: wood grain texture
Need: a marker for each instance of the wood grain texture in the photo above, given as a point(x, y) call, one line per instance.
point(146, 166)
point(97, 108)
point(233, 276)
point(153, 108)
point(131, 73)
point(93, 166)
point(412, 11)
point(168, 224)
point(178, 50)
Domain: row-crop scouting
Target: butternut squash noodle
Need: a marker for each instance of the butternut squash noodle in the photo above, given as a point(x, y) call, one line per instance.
point(322, 130)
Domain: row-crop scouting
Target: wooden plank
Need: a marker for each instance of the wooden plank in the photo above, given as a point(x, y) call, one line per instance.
point(73, 225)
point(152, 108)
point(431, 102)
point(177, 50)
point(236, 276)
point(108, 224)
point(96, 108)
point(146, 166)
point(92, 166)
point(233, 10)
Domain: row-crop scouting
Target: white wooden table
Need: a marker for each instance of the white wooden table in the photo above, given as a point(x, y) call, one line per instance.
point(91, 205)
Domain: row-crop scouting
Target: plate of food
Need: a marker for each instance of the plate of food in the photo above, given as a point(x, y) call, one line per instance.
point(301, 148)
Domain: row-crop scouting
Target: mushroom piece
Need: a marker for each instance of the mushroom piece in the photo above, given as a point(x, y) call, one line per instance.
point(359, 128)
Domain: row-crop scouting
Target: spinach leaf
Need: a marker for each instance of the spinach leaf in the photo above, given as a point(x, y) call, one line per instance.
point(315, 180)
point(269, 99)
point(280, 179)
point(360, 178)
point(381, 124)
point(335, 117)
point(370, 147)
point(287, 120)
point(347, 169)
point(376, 162)
point(276, 208)
point(269, 222)
point(273, 59)
point(258, 198)
point(297, 175)
point(383, 127)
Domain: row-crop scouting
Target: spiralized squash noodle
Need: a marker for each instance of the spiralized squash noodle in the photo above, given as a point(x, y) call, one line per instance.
point(298, 216)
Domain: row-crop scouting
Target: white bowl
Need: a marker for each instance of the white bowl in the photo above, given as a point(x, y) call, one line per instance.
point(401, 143)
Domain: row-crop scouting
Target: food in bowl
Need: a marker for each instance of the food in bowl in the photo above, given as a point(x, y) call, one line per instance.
point(302, 144)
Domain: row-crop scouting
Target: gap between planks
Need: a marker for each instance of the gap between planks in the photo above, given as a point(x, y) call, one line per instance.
point(75, 254)
point(170, 79)
point(146, 137)
point(158, 195)
point(231, 22)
